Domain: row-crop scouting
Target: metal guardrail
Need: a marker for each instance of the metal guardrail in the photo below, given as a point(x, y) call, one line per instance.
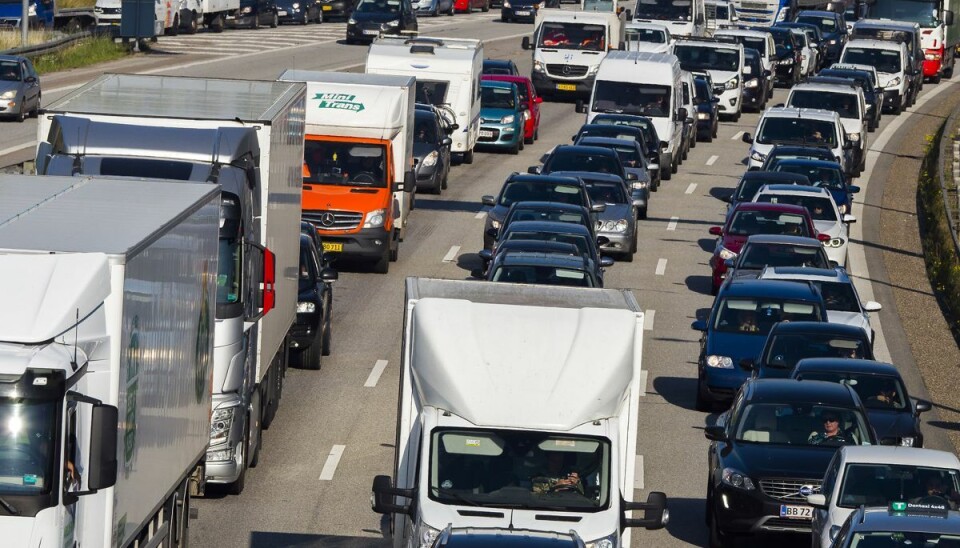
point(54, 45)
point(950, 160)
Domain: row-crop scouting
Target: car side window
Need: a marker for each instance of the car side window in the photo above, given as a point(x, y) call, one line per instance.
point(830, 480)
point(841, 539)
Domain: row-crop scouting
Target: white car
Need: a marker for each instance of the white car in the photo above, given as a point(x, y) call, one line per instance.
point(798, 126)
point(891, 61)
point(849, 103)
point(839, 294)
point(758, 40)
point(827, 219)
point(647, 37)
point(877, 476)
point(808, 54)
point(724, 62)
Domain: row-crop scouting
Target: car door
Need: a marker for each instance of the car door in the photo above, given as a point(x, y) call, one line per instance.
point(31, 84)
point(534, 104)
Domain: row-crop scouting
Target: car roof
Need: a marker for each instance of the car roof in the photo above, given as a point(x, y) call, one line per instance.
point(606, 142)
point(506, 78)
point(893, 454)
point(604, 127)
point(870, 43)
point(498, 62)
point(545, 179)
point(741, 32)
point(753, 288)
point(496, 84)
point(881, 519)
point(796, 190)
point(808, 162)
point(12, 58)
point(548, 226)
point(848, 89)
point(777, 176)
point(592, 176)
point(806, 113)
point(767, 206)
point(562, 206)
point(847, 365)
point(797, 149)
point(805, 273)
point(818, 13)
point(820, 327)
point(793, 391)
point(782, 239)
point(705, 43)
point(539, 245)
point(582, 149)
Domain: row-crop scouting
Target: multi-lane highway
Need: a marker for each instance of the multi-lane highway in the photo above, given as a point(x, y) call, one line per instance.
point(335, 428)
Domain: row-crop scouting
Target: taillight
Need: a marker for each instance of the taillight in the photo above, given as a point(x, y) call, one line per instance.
point(269, 280)
point(823, 237)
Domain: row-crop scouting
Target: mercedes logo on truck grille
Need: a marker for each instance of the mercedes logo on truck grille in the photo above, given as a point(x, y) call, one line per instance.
point(566, 70)
point(327, 219)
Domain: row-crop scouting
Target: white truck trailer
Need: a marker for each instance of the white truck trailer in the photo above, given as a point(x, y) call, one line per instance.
point(105, 363)
point(247, 136)
point(517, 409)
point(358, 161)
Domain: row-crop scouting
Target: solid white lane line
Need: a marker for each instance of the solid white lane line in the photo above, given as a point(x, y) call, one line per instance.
point(375, 373)
point(638, 473)
point(480, 214)
point(452, 254)
point(690, 188)
point(661, 267)
point(333, 459)
point(737, 136)
point(672, 225)
point(648, 316)
point(712, 159)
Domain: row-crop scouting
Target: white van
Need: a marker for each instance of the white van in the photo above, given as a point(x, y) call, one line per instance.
point(682, 17)
point(653, 37)
point(643, 84)
point(688, 92)
point(892, 63)
point(720, 14)
point(448, 74)
point(724, 61)
point(849, 103)
point(803, 126)
point(758, 40)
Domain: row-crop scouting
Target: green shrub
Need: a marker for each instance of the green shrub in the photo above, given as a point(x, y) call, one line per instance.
point(86, 52)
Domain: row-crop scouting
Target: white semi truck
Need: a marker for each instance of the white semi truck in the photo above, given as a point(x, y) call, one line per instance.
point(105, 363)
point(247, 136)
point(518, 409)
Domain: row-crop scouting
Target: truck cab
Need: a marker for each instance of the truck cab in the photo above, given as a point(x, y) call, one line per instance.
point(681, 18)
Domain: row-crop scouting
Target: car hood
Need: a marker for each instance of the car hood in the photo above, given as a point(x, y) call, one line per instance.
point(488, 113)
point(884, 78)
point(497, 212)
point(422, 149)
point(766, 460)
point(833, 228)
point(733, 242)
point(888, 423)
point(375, 17)
point(735, 345)
point(7, 86)
point(641, 173)
point(615, 212)
point(855, 319)
point(852, 125)
point(327, 197)
point(721, 76)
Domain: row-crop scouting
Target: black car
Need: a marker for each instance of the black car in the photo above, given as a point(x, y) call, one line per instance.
point(780, 152)
point(832, 27)
point(548, 211)
point(648, 137)
point(890, 409)
point(310, 333)
point(755, 81)
point(787, 56)
point(337, 8)
point(583, 158)
point(752, 181)
point(299, 11)
point(708, 111)
point(524, 267)
point(789, 342)
point(373, 18)
point(551, 231)
point(872, 95)
point(431, 151)
point(772, 449)
point(500, 66)
point(255, 13)
point(524, 10)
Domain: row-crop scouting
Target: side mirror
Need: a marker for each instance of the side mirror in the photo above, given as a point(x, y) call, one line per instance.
point(631, 176)
point(103, 447)
point(767, 73)
point(698, 20)
point(580, 107)
point(849, 219)
point(872, 306)
point(922, 406)
point(534, 170)
point(382, 498)
point(715, 433)
point(602, 240)
point(728, 198)
point(493, 233)
point(853, 189)
point(446, 141)
point(948, 17)
point(728, 263)
point(488, 200)
point(525, 43)
point(30, 79)
point(748, 364)
point(655, 513)
point(486, 255)
point(598, 208)
point(681, 114)
point(454, 127)
point(664, 145)
point(699, 325)
point(847, 145)
point(329, 275)
point(537, 100)
point(716, 230)
point(747, 139)
point(817, 501)
point(606, 262)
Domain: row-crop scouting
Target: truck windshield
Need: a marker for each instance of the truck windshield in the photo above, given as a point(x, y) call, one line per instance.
point(665, 10)
point(651, 36)
point(697, 58)
point(577, 36)
point(774, 130)
point(844, 104)
point(914, 11)
point(347, 164)
point(636, 99)
point(884, 60)
point(522, 469)
point(27, 435)
point(148, 168)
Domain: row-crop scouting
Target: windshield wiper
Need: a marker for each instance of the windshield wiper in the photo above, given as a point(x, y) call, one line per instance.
point(11, 509)
point(455, 495)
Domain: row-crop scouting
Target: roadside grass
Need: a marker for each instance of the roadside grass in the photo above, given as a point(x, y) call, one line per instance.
point(86, 52)
point(940, 255)
point(77, 3)
point(10, 38)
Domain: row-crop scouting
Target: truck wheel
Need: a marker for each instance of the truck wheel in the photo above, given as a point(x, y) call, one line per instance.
point(217, 24)
point(515, 149)
point(382, 266)
point(193, 25)
point(256, 22)
point(175, 27)
point(275, 22)
point(665, 175)
point(236, 487)
point(468, 157)
point(180, 518)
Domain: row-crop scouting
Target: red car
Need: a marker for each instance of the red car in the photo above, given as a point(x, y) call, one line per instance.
point(749, 218)
point(466, 6)
point(531, 126)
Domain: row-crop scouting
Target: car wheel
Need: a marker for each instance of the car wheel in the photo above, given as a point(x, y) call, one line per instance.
point(256, 22)
point(319, 18)
point(193, 25)
point(36, 109)
point(446, 177)
point(382, 266)
point(327, 327)
point(22, 115)
point(504, 18)
point(275, 22)
point(451, 11)
point(522, 142)
point(515, 149)
point(701, 404)
point(486, 7)
point(306, 19)
point(395, 252)
point(717, 538)
point(311, 357)
point(536, 134)
point(175, 27)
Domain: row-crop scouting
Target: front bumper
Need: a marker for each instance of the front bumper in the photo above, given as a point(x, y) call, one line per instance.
point(720, 385)
point(428, 176)
point(291, 15)
point(786, 73)
point(304, 329)
point(368, 243)
point(10, 107)
point(740, 511)
point(363, 31)
point(729, 101)
point(335, 9)
point(753, 97)
point(547, 85)
point(499, 135)
point(933, 68)
point(619, 242)
point(892, 98)
point(519, 13)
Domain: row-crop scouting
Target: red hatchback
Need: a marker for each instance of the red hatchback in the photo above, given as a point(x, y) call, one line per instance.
point(749, 218)
point(469, 5)
point(531, 126)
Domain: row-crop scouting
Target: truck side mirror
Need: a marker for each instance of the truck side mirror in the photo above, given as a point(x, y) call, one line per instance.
point(103, 447)
point(525, 43)
point(655, 513)
point(598, 208)
point(817, 501)
point(44, 153)
point(382, 498)
point(681, 114)
point(948, 17)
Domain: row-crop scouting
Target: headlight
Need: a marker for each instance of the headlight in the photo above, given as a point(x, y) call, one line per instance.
point(932, 57)
point(32, 10)
point(638, 185)
point(495, 224)
point(842, 208)
point(431, 159)
point(732, 83)
point(893, 82)
point(296, 5)
point(537, 66)
point(788, 61)
point(720, 362)
point(736, 478)
point(221, 420)
point(703, 116)
point(855, 137)
point(593, 69)
point(613, 226)
point(306, 307)
point(726, 254)
point(833, 242)
point(391, 23)
point(427, 535)
point(351, 21)
point(7, 95)
point(609, 541)
point(757, 157)
point(526, 115)
point(375, 219)
point(907, 441)
point(869, 107)
point(246, 9)
point(508, 119)
point(750, 84)
point(506, 3)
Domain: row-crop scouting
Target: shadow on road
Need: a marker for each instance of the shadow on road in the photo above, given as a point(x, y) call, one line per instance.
point(686, 520)
point(679, 391)
point(268, 539)
point(707, 244)
point(448, 205)
point(699, 284)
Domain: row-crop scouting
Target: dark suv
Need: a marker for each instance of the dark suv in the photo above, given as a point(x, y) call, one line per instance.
point(310, 334)
point(373, 18)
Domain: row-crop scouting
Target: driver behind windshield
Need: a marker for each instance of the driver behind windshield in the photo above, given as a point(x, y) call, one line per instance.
point(558, 476)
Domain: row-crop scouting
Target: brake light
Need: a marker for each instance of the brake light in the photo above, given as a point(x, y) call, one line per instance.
point(269, 280)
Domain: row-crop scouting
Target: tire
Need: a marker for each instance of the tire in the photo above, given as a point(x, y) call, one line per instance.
point(702, 405)
point(515, 149)
point(394, 254)
point(505, 19)
point(275, 22)
point(36, 110)
point(468, 157)
point(665, 175)
point(452, 10)
point(194, 25)
point(22, 115)
point(217, 24)
point(718, 539)
point(306, 20)
point(536, 134)
point(675, 167)
point(686, 152)
point(319, 19)
point(237, 486)
point(256, 22)
point(715, 132)
point(899, 108)
point(641, 214)
point(175, 28)
point(312, 357)
point(326, 335)
point(486, 7)
point(446, 177)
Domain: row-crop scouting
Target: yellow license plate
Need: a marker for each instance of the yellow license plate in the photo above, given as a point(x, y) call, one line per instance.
point(567, 87)
point(332, 247)
point(327, 8)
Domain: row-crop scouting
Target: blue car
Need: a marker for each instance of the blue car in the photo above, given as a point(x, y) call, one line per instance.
point(734, 334)
point(501, 116)
point(828, 175)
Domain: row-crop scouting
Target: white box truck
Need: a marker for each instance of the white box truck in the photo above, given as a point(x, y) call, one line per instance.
point(535, 431)
point(358, 178)
point(448, 76)
point(105, 363)
point(247, 136)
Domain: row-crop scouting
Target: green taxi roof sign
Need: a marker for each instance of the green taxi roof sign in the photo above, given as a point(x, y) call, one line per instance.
point(935, 509)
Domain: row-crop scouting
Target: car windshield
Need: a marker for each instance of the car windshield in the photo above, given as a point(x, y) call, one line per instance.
point(497, 97)
point(635, 99)
point(826, 177)
point(563, 237)
point(782, 39)
point(497, 68)
point(839, 296)
point(758, 44)
point(652, 36)
point(664, 10)
point(347, 164)
point(610, 130)
point(820, 207)
point(748, 189)
point(594, 163)
point(777, 129)
point(784, 350)
point(629, 157)
point(578, 36)
point(425, 130)
point(10, 71)
point(527, 191)
point(779, 155)
point(431, 93)
point(825, 24)
point(844, 104)
point(27, 441)
point(519, 213)
point(722, 13)
point(915, 11)
point(801, 424)
point(884, 60)
point(524, 469)
point(546, 275)
point(606, 193)
point(879, 484)
point(755, 256)
point(707, 58)
point(875, 391)
point(757, 316)
point(745, 223)
point(378, 6)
